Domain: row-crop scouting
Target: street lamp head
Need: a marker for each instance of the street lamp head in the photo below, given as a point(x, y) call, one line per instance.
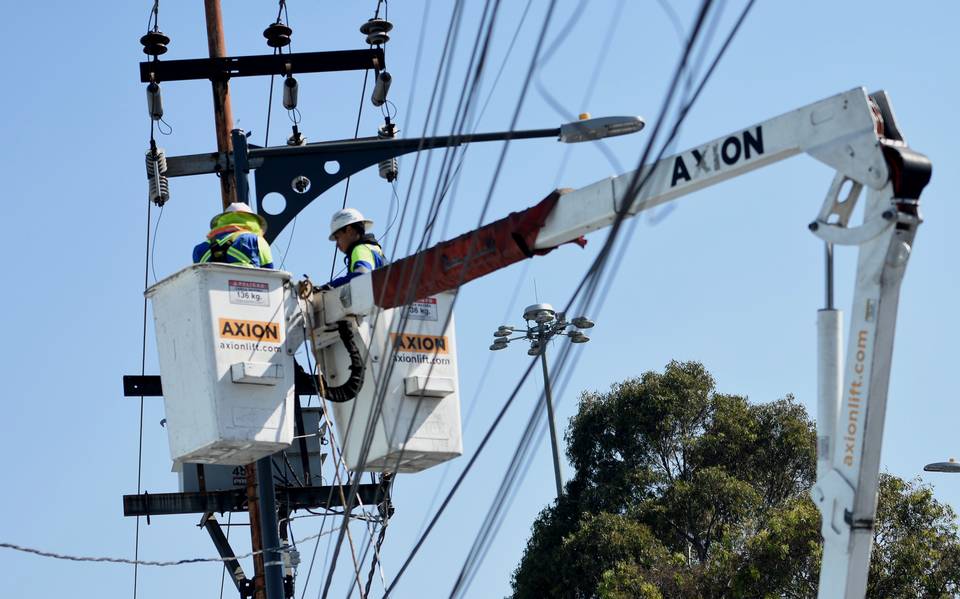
point(534, 348)
point(949, 466)
point(503, 332)
point(607, 126)
point(578, 337)
point(499, 343)
point(582, 322)
point(539, 313)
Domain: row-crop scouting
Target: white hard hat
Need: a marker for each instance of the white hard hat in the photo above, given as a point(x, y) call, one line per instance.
point(347, 216)
point(239, 207)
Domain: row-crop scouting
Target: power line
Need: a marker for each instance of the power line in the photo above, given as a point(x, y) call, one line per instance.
point(356, 133)
point(500, 162)
point(499, 166)
point(367, 436)
point(452, 34)
point(509, 486)
point(491, 521)
point(143, 370)
point(140, 562)
point(600, 262)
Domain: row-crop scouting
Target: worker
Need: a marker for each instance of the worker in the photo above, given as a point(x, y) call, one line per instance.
point(361, 250)
point(236, 237)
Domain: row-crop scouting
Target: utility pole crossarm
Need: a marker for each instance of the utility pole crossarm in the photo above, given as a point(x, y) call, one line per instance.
point(228, 67)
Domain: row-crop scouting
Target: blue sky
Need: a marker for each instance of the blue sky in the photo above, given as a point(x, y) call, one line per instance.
point(730, 277)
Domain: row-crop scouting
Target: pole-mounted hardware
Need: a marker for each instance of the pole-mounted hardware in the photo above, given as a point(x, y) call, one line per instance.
point(543, 323)
point(302, 173)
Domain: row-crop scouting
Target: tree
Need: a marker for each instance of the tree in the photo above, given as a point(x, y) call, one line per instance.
point(681, 491)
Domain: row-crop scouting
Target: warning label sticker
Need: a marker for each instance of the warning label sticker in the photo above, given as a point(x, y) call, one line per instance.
point(249, 293)
point(424, 309)
point(250, 330)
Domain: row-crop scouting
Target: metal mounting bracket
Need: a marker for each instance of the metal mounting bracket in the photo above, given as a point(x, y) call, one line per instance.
point(300, 174)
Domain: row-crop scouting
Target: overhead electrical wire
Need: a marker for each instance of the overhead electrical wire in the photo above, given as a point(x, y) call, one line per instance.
point(141, 562)
point(356, 133)
point(491, 192)
point(337, 461)
point(498, 503)
point(598, 263)
point(640, 178)
point(223, 573)
point(506, 145)
point(476, 123)
point(282, 11)
point(524, 88)
point(143, 370)
point(591, 86)
point(516, 288)
point(452, 34)
point(413, 87)
point(153, 245)
point(448, 174)
point(468, 94)
point(461, 103)
point(464, 104)
point(453, 30)
point(461, 110)
point(154, 15)
point(332, 268)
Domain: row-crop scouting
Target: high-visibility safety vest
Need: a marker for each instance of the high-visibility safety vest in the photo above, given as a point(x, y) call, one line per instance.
point(363, 256)
point(235, 239)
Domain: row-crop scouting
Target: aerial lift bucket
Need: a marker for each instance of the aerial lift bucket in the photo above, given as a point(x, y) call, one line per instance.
point(406, 415)
point(224, 362)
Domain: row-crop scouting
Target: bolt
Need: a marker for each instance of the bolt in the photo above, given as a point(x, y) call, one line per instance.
point(888, 215)
point(813, 226)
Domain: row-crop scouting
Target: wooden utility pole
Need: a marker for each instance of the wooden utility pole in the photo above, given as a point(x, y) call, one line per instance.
point(256, 538)
point(222, 113)
point(223, 121)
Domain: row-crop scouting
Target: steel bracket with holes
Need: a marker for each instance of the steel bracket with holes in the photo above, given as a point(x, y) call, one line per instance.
point(300, 174)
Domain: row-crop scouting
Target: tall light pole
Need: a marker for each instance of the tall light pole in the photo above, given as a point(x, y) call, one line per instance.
point(543, 323)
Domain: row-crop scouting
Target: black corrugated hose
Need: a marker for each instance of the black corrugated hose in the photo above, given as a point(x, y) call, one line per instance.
point(351, 388)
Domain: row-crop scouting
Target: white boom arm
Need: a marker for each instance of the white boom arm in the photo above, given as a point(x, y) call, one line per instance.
point(856, 134)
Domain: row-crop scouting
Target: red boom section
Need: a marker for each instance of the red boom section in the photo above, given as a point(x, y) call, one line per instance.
point(472, 255)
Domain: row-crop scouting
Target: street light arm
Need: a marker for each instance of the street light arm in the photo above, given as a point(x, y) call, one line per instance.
point(317, 167)
point(394, 147)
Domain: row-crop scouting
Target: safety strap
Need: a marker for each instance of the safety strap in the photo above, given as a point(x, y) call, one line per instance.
point(220, 249)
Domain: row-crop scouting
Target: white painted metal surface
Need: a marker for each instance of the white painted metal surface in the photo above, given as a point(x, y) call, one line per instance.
point(227, 377)
point(829, 381)
point(839, 131)
point(406, 417)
